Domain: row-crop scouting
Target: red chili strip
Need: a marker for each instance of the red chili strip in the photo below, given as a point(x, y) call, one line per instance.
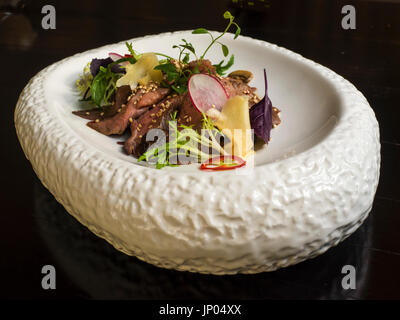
point(218, 164)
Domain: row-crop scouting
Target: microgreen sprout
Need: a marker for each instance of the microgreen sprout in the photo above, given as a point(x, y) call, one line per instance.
point(183, 142)
point(177, 75)
point(225, 50)
point(133, 53)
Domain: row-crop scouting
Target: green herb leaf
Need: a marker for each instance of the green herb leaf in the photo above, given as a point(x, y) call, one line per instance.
point(220, 68)
point(132, 52)
point(237, 33)
point(180, 89)
point(166, 67)
point(200, 31)
point(170, 70)
point(188, 46)
point(227, 15)
point(104, 85)
point(225, 50)
point(186, 58)
point(98, 87)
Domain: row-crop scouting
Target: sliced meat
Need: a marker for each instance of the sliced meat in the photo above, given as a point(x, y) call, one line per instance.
point(205, 66)
point(92, 114)
point(152, 119)
point(153, 97)
point(121, 97)
point(188, 114)
point(119, 122)
point(235, 87)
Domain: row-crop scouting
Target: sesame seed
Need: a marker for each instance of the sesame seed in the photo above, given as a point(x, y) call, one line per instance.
point(130, 120)
point(102, 114)
point(119, 110)
point(140, 136)
point(87, 113)
point(123, 105)
point(97, 120)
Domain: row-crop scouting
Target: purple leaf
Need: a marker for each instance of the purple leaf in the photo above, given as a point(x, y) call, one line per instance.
point(261, 116)
point(97, 63)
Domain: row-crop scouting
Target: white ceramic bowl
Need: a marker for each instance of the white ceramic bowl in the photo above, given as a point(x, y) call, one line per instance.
point(310, 188)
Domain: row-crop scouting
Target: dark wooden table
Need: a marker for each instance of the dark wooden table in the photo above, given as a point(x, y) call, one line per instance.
point(35, 230)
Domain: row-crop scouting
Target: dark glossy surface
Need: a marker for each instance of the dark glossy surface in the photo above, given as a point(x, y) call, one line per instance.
point(35, 230)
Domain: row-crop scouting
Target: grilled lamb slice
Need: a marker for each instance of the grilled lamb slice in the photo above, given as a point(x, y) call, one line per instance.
point(205, 66)
point(119, 122)
point(188, 114)
point(153, 97)
point(92, 114)
point(121, 97)
point(152, 119)
point(237, 87)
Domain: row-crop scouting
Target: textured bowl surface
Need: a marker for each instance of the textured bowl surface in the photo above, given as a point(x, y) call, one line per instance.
point(308, 190)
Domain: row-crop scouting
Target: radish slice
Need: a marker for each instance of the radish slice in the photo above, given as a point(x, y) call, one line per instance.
point(115, 56)
point(206, 91)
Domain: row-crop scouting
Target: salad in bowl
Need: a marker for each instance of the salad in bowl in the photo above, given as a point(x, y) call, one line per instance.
point(178, 110)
